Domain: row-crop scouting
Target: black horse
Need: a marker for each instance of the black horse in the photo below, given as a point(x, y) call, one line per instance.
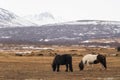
point(65, 59)
point(93, 59)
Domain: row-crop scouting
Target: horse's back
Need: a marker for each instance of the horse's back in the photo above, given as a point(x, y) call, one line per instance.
point(63, 59)
point(66, 59)
point(89, 58)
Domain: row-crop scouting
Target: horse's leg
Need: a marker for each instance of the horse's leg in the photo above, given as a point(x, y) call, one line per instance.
point(92, 66)
point(102, 67)
point(88, 64)
point(66, 68)
point(70, 67)
point(58, 66)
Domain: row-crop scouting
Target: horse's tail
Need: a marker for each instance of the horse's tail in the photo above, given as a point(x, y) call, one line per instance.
point(81, 65)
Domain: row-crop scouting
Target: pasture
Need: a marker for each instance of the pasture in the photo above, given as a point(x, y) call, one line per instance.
point(39, 67)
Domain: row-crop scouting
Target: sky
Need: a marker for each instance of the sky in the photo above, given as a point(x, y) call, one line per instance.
point(66, 9)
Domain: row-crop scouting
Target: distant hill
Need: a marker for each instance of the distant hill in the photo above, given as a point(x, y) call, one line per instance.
point(73, 32)
point(43, 29)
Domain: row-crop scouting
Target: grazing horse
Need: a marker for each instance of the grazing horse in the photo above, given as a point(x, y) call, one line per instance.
point(65, 59)
point(93, 59)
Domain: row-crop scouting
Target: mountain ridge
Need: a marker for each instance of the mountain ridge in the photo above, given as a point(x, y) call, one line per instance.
point(73, 34)
point(9, 19)
point(13, 29)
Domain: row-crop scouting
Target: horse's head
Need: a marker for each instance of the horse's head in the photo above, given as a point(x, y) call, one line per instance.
point(102, 60)
point(53, 66)
point(81, 65)
point(56, 59)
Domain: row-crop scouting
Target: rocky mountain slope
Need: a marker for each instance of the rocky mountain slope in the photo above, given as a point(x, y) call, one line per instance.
point(74, 32)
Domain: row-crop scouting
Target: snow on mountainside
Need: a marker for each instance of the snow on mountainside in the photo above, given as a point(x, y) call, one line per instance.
point(73, 32)
point(9, 19)
point(42, 18)
point(92, 22)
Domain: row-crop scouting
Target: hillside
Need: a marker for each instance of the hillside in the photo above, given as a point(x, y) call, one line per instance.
point(74, 32)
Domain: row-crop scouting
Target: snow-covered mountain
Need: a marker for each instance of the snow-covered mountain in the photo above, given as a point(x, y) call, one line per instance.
point(72, 32)
point(42, 18)
point(9, 19)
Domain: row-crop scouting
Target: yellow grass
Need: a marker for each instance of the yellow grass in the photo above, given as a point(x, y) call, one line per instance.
point(39, 67)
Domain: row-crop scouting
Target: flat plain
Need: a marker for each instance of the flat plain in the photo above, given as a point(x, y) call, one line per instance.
point(34, 67)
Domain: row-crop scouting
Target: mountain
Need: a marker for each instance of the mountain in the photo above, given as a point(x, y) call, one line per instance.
point(42, 18)
point(73, 32)
point(44, 29)
point(9, 19)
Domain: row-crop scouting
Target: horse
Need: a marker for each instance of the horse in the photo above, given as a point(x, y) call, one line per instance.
point(93, 59)
point(65, 59)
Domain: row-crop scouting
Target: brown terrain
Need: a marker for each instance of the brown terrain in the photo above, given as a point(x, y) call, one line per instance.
point(37, 64)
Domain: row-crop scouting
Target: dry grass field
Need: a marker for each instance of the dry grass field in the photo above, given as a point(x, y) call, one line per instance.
point(39, 67)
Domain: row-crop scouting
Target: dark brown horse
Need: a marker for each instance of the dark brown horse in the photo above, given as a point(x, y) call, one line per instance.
point(65, 59)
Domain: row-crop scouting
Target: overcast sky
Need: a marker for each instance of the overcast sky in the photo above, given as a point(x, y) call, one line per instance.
point(67, 9)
